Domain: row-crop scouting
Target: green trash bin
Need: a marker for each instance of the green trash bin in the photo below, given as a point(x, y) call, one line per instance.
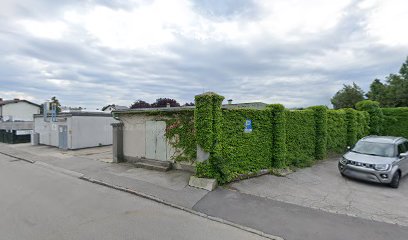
point(2, 135)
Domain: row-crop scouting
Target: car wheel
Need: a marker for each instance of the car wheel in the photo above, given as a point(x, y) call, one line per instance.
point(395, 180)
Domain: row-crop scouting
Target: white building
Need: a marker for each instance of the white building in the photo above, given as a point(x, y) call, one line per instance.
point(114, 107)
point(18, 110)
point(75, 130)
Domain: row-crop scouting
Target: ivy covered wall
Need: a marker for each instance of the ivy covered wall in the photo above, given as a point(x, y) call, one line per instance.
point(300, 137)
point(279, 137)
point(246, 152)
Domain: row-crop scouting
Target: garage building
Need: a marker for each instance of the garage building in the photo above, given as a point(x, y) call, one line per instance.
point(74, 130)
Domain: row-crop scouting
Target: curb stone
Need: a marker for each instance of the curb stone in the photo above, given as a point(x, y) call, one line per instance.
point(60, 170)
point(158, 200)
point(19, 158)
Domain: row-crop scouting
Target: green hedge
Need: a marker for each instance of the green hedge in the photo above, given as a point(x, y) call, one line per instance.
point(351, 121)
point(362, 128)
point(395, 122)
point(279, 137)
point(336, 131)
point(300, 137)
point(375, 115)
point(320, 116)
point(278, 123)
point(207, 117)
point(245, 152)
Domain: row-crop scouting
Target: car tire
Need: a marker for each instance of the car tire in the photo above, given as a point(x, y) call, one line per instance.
point(395, 180)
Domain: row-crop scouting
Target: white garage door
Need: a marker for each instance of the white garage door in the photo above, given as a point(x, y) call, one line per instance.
point(156, 147)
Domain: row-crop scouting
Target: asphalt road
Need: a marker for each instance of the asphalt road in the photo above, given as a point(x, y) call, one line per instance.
point(294, 222)
point(37, 203)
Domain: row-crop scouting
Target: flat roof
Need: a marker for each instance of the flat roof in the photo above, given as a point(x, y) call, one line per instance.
point(70, 114)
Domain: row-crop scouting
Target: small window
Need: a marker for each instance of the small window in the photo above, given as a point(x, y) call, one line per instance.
point(406, 145)
point(401, 148)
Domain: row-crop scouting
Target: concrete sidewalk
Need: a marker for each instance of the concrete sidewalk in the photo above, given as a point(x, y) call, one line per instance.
point(261, 215)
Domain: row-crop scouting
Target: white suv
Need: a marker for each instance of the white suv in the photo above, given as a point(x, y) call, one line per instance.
point(377, 159)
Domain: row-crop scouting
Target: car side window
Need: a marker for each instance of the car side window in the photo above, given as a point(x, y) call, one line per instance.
point(406, 145)
point(401, 148)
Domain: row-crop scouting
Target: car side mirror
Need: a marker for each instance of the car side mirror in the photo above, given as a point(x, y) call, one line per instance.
point(348, 147)
point(402, 155)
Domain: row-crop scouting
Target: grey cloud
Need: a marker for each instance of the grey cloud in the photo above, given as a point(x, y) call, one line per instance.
point(270, 70)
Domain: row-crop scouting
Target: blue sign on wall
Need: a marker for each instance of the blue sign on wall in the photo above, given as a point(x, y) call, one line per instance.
point(248, 126)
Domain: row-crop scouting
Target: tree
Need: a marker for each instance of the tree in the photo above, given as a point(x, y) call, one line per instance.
point(348, 96)
point(140, 104)
point(189, 104)
point(394, 93)
point(162, 102)
point(377, 91)
point(55, 101)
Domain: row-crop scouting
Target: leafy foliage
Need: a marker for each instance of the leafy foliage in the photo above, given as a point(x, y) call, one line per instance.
point(347, 97)
point(377, 91)
point(395, 122)
point(57, 104)
point(394, 93)
point(245, 152)
point(180, 133)
point(139, 104)
point(375, 115)
point(278, 119)
point(300, 137)
point(336, 131)
point(204, 121)
point(320, 115)
point(162, 102)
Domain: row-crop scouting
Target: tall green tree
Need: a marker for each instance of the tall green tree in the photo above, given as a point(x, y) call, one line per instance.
point(55, 101)
point(348, 96)
point(377, 91)
point(394, 93)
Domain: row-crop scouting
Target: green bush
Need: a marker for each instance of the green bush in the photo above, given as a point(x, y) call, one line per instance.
point(375, 115)
point(278, 148)
point(245, 152)
point(336, 131)
point(203, 120)
point(395, 122)
point(362, 121)
point(300, 137)
point(320, 115)
point(351, 121)
point(207, 117)
point(279, 137)
point(181, 134)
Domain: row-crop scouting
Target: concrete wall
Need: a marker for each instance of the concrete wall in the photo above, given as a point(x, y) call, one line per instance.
point(49, 131)
point(83, 131)
point(89, 131)
point(134, 137)
point(20, 111)
point(16, 125)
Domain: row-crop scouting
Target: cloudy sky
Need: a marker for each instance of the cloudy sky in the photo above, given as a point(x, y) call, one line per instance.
point(96, 52)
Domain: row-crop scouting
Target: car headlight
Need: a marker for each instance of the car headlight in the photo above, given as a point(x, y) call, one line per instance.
point(343, 161)
point(381, 167)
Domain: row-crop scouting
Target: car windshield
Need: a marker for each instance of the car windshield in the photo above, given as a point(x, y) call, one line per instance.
point(376, 149)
